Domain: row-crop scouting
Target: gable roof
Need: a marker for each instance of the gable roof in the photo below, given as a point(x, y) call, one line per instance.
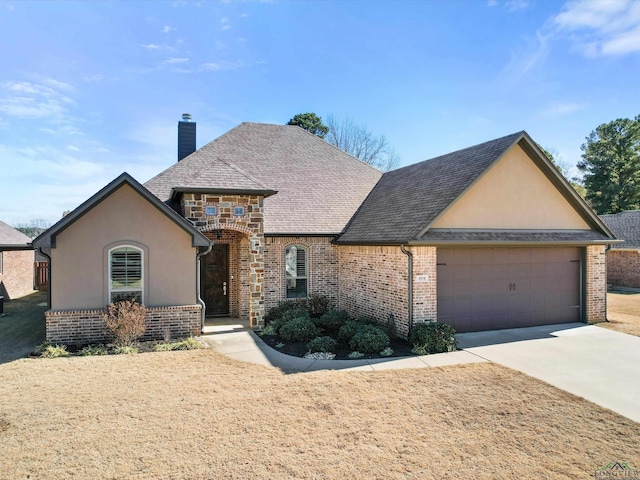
point(319, 187)
point(12, 239)
point(48, 237)
point(406, 202)
point(626, 226)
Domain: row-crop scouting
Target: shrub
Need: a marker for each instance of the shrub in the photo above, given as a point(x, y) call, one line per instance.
point(190, 343)
point(332, 320)
point(348, 330)
point(317, 305)
point(369, 339)
point(433, 337)
point(163, 347)
point(387, 352)
point(92, 350)
point(322, 344)
point(125, 321)
point(355, 355)
point(125, 350)
point(268, 330)
point(280, 309)
point(287, 316)
point(54, 351)
point(301, 329)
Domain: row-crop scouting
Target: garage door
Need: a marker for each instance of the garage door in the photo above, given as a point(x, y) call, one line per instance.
point(493, 288)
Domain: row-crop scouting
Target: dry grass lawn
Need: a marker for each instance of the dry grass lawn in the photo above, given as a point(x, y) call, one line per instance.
point(623, 312)
point(199, 415)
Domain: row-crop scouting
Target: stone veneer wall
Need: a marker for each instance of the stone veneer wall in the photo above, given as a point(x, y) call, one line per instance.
point(16, 278)
point(373, 283)
point(322, 268)
point(623, 268)
point(81, 327)
point(250, 250)
point(596, 284)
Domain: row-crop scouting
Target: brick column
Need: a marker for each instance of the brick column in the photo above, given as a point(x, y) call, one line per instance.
point(596, 284)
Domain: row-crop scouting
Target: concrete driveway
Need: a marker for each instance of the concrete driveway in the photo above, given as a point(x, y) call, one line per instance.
point(600, 365)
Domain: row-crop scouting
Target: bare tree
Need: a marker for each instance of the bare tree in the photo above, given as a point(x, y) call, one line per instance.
point(362, 143)
point(34, 227)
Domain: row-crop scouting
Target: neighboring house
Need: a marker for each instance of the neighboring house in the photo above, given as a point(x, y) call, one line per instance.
point(487, 237)
point(623, 260)
point(16, 263)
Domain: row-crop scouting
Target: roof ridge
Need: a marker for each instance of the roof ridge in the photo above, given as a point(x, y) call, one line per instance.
point(242, 172)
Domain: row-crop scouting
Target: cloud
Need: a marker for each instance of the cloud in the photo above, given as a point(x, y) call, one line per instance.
point(167, 29)
point(602, 28)
point(176, 60)
point(525, 58)
point(560, 109)
point(151, 46)
point(73, 148)
point(515, 5)
point(35, 100)
point(220, 66)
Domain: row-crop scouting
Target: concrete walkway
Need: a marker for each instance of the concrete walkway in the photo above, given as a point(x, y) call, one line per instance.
point(236, 341)
point(597, 364)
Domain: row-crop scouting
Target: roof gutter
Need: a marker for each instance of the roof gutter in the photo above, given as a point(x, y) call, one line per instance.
point(409, 285)
point(203, 311)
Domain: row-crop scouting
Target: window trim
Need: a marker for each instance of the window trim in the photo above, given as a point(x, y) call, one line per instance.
point(305, 277)
point(142, 275)
point(1, 261)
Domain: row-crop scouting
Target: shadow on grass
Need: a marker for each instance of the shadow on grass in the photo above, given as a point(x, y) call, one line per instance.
point(22, 327)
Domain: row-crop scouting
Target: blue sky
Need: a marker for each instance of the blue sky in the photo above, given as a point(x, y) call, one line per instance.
point(91, 89)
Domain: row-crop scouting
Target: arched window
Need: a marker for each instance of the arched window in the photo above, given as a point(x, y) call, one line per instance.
point(125, 274)
point(296, 271)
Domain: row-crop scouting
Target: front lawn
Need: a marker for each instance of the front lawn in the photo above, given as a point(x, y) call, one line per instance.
point(200, 415)
point(623, 312)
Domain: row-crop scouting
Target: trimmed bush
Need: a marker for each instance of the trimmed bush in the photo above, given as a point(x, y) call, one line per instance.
point(280, 309)
point(301, 329)
point(322, 344)
point(287, 316)
point(332, 320)
point(348, 330)
point(433, 337)
point(369, 339)
point(317, 305)
point(125, 321)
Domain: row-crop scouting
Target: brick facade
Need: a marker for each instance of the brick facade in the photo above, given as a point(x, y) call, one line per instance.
point(246, 245)
point(623, 268)
point(596, 284)
point(82, 327)
point(16, 276)
point(322, 268)
point(374, 280)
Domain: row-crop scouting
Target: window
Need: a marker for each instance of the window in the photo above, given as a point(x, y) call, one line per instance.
point(296, 274)
point(125, 274)
point(238, 211)
point(210, 211)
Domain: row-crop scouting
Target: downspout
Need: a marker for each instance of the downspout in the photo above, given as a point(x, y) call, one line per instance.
point(48, 277)
point(198, 297)
point(606, 269)
point(409, 284)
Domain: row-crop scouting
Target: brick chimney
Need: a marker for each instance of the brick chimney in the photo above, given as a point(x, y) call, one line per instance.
point(186, 136)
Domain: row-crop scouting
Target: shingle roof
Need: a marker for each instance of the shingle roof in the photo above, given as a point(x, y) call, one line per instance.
point(319, 186)
point(405, 202)
point(626, 226)
point(408, 199)
point(10, 237)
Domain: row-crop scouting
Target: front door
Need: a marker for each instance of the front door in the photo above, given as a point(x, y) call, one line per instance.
point(214, 287)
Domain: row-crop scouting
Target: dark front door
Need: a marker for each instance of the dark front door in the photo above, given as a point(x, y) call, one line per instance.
point(214, 288)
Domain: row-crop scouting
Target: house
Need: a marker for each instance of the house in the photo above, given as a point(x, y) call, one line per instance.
point(623, 259)
point(16, 263)
point(484, 238)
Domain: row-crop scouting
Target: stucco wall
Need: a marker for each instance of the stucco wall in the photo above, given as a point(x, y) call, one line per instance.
point(79, 262)
point(623, 268)
point(373, 284)
point(16, 279)
point(514, 193)
point(322, 266)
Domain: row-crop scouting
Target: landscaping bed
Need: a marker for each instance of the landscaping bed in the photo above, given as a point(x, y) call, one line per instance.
point(308, 328)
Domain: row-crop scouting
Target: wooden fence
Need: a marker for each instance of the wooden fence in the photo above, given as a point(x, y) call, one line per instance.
point(41, 275)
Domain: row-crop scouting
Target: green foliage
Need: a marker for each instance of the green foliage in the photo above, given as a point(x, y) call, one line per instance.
point(322, 344)
point(348, 330)
point(332, 321)
point(280, 309)
point(369, 339)
point(54, 351)
point(125, 350)
point(268, 330)
point(387, 352)
point(301, 329)
point(317, 305)
point(287, 316)
point(125, 321)
point(93, 350)
point(611, 166)
point(433, 337)
point(190, 343)
point(311, 123)
point(355, 355)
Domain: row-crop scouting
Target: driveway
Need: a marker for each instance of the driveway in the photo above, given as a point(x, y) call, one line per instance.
point(592, 362)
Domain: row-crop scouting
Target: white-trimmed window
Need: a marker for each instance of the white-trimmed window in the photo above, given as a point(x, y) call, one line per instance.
point(125, 274)
point(296, 271)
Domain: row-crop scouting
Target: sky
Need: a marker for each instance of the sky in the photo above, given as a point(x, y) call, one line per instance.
point(91, 89)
